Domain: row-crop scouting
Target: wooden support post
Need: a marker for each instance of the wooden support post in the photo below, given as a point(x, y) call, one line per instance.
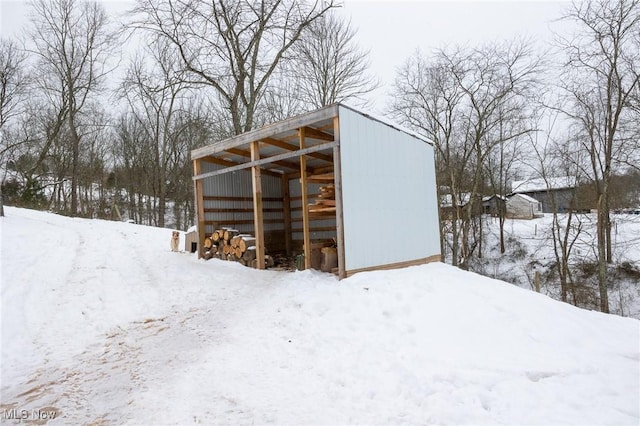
point(337, 182)
point(286, 209)
point(305, 209)
point(199, 199)
point(258, 223)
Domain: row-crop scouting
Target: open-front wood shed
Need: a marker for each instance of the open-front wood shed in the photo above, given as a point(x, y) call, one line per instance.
point(335, 174)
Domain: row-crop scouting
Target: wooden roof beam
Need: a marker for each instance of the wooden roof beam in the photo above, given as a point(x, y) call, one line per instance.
point(227, 163)
point(289, 147)
point(312, 133)
point(310, 171)
point(283, 156)
point(247, 154)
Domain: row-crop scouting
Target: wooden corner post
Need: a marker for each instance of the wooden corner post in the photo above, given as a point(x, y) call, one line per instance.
point(258, 222)
point(199, 199)
point(286, 206)
point(305, 209)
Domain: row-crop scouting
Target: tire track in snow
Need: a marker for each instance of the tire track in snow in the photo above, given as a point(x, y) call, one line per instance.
point(100, 385)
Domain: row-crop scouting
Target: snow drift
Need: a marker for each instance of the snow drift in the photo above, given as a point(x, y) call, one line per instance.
point(102, 323)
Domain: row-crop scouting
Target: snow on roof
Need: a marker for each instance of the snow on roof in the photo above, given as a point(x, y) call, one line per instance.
point(526, 197)
point(489, 197)
point(539, 184)
point(462, 199)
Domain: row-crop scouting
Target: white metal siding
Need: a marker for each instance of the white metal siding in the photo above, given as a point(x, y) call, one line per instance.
point(519, 207)
point(388, 194)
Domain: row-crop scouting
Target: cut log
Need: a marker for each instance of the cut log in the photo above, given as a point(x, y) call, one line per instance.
point(246, 242)
point(268, 262)
point(217, 235)
point(230, 233)
point(208, 243)
point(249, 254)
point(237, 252)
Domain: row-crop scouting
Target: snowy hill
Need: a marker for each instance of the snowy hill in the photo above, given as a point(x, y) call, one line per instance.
point(102, 324)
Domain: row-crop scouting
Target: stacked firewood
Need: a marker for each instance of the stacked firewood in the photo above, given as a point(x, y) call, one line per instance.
point(325, 201)
point(230, 244)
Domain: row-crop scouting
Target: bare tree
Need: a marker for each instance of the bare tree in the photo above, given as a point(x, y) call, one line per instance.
point(155, 91)
point(13, 79)
point(12, 87)
point(550, 157)
point(497, 80)
point(29, 147)
point(233, 46)
point(282, 98)
point(72, 43)
point(130, 159)
point(501, 166)
point(601, 76)
point(468, 102)
point(330, 66)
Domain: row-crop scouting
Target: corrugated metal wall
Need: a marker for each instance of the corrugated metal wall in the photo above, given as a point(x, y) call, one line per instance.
point(389, 198)
point(235, 185)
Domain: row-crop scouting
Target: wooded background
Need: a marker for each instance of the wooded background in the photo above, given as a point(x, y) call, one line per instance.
point(84, 133)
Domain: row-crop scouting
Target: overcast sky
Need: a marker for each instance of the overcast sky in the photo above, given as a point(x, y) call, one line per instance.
point(393, 30)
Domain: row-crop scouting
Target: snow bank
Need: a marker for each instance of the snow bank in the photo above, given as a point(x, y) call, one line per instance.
point(102, 322)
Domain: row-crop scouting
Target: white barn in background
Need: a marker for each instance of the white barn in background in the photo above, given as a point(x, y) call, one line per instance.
point(335, 174)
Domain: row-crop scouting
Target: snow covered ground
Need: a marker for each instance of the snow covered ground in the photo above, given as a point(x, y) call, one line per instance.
point(102, 324)
point(529, 248)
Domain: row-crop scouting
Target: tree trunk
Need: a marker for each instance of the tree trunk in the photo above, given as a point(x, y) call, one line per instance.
point(454, 240)
point(480, 240)
point(162, 203)
point(75, 143)
point(501, 220)
point(602, 259)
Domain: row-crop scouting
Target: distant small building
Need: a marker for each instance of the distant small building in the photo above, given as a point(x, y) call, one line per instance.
point(561, 188)
point(521, 206)
point(492, 204)
point(447, 211)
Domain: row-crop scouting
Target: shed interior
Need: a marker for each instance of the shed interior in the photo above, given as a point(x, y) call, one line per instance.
point(280, 183)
